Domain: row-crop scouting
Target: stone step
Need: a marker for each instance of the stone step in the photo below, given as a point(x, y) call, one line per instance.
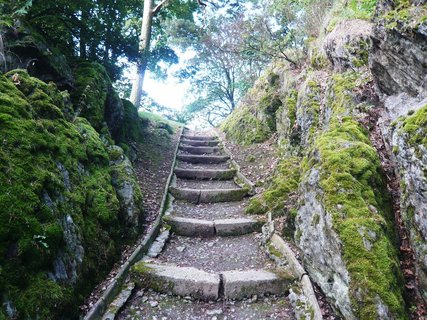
point(243, 284)
point(217, 254)
point(200, 143)
point(181, 281)
point(199, 138)
point(208, 195)
point(202, 158)
point(205, 184)
point(210, 211)
point(199, 150)
point(189, 281)
point(205, 174)
point(208, 228)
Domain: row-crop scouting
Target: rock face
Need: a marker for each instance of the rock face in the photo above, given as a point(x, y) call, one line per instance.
point(321, 246)
point(28, 50)
point(408, 139)
point(398, 59)
point(348, 44)
point(398, 62)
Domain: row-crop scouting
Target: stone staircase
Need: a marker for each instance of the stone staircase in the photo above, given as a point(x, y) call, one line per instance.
point(213, 253)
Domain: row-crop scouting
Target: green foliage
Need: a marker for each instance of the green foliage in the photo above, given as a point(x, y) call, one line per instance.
point(353, 9)
point(13, 10)
point(51, 169)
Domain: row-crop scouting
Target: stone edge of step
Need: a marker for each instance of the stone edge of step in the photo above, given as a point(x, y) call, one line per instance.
point(297, 269)
point(205, 174)
point(208, 195)
point(199, 284)
point(208, 228)
point(202, 159)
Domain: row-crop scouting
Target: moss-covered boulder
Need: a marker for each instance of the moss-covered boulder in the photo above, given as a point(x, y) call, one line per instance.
point(62, 216)
point(257, 111)
point(25, 48)
point(95, 99)
point(345, 225)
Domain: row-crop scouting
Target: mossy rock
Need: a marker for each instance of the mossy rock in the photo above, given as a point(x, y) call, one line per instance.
point(90, 94)
point(52, 169)
point(352, 185)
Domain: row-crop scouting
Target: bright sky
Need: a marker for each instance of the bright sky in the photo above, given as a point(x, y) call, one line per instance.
point(170, 92)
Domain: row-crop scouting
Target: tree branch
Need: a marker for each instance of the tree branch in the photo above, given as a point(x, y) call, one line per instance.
point(158, 7)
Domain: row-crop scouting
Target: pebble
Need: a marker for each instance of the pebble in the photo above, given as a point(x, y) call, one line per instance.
point(153, 303)
point(213, 312)
point(180, 248)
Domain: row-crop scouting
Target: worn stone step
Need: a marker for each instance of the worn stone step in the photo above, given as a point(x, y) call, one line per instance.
point(181, 281)
point(203, 174)
point(216, 254)
point(208, 196)
point(210, 211)
point(244, 284)
point(201, 143)
point(202, 158)
point(206, 184)
point(208, 228)
point(202, 285)
point(140, 307)
point(199, 150)
point(199, 138)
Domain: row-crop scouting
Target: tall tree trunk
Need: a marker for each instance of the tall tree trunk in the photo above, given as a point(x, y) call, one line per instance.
point(147, 21)
point(83, 35)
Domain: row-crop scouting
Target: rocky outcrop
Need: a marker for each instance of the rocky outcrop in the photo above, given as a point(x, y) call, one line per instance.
point(409, 143)
point(347, 45)
point(69, 199)
point(398, 62)
point(398, 58)
point(26, 49)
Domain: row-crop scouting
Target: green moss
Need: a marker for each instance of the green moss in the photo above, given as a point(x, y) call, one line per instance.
point(278, 198)
point(273, 251)
point(259, 115)
point(250, 158)
point(245, 128)
point(415, 126)
point(291, 104)
point(351, 181)
point(256, 207)
point(318, 60)
point(92, 84)
point(51, 169)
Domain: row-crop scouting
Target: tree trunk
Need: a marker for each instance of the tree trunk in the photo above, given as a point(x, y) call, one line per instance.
point(147, 20)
